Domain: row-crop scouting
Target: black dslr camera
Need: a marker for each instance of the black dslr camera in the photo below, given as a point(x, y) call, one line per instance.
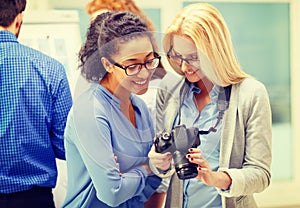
point(178, 141)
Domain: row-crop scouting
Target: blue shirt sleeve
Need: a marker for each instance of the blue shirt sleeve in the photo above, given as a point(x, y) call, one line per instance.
point(62, 102)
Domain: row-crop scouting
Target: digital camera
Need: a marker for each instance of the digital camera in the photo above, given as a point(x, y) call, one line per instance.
point(178, 141)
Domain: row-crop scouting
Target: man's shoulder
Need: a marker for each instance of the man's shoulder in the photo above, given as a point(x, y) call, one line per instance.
point(38, 56)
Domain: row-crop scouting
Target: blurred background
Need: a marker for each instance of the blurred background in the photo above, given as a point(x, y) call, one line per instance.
point(266, 37)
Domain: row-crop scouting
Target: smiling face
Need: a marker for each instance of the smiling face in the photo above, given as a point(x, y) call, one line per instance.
point(138, 50)
point(184, 53)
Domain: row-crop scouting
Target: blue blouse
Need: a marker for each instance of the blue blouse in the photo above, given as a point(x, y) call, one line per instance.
point(97, 131)
point(196, 193)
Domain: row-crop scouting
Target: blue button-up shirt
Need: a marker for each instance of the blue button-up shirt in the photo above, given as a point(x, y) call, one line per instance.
point(196, 193)
point(97, 131)
point(34, 102)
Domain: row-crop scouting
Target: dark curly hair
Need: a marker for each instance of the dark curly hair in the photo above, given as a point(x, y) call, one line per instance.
point(101, 38)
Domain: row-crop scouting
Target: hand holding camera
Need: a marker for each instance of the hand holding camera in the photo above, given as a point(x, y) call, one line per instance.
point(177, 142)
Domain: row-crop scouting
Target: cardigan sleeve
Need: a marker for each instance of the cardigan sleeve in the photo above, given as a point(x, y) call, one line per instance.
point(250, 158)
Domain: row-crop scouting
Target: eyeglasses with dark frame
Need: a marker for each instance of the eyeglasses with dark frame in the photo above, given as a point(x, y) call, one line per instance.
point(134, 69)
point(179, 59)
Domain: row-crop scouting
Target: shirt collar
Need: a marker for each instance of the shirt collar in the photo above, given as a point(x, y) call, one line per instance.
point(112, 97)
point(193, 88)
point(6, 36)
point(213, 93)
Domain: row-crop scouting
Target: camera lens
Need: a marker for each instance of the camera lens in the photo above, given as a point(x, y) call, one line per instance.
point(184, 169)
point(187, 172)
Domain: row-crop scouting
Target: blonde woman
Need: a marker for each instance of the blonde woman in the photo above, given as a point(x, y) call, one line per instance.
point(230, 109)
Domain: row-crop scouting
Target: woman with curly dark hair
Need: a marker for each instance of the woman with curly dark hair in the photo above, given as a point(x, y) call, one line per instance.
point(109, 131)
point(96, 7)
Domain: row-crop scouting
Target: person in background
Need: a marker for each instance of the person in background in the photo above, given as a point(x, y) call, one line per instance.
point(109, 130)
point(230, 109)
point(95, 7)
point(35, 99)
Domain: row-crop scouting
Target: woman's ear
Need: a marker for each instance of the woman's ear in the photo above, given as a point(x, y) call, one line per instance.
point(107, 65)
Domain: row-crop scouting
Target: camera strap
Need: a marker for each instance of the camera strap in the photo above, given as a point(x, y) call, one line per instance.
point(222, 105)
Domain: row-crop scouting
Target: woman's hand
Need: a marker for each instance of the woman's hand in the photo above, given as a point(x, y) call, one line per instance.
point(118, 164)
point(211, 178)
point(160, 161)
point(205, 174)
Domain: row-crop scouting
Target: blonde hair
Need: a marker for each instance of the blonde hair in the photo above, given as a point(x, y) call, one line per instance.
point(118, 5)
point(205, 25)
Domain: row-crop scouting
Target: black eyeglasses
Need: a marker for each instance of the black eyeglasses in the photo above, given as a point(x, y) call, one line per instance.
point(134, 69)
point(178, 59)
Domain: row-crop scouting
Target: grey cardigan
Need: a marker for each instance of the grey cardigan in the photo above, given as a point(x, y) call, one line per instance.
point(245, 151)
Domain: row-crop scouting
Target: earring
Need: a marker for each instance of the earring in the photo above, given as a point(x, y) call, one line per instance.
point(109, 68)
